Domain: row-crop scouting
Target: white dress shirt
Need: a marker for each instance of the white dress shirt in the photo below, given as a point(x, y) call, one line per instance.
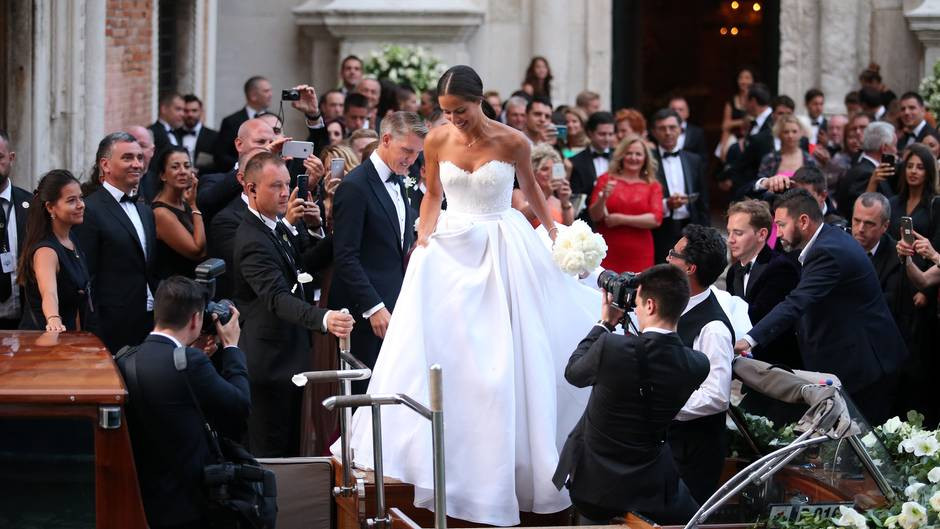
point(759, 121)
point(880, 112)
point(601, 164)
point(715, 341)
point(874, 249)
point(675, 180)
point(395, 193)
point(252, 113)
point(680, 144)
point(173, 339)
point(189, 141)
point(913, 137)
point(130, 209)
point(10, 309)
point(169, 132)
point(814, 125)
point(747, 276)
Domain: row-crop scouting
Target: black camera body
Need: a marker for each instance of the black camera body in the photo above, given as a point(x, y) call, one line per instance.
point(290, 95)
point(622, 288)
point(206, 274)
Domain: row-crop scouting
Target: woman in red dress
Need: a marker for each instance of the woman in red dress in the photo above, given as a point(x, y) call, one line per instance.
point(626, 204)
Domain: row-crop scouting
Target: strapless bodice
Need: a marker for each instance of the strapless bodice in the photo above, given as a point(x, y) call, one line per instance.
point(485, 190)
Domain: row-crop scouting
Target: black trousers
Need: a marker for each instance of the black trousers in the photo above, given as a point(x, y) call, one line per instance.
point(274, 423)
point(699, 447)
point(678, 510)
point(876, 401)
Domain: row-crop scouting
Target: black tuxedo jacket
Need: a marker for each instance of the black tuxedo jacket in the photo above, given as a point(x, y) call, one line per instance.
point(773, 275)
point(276, 319)
point(161, 138)
point(918, 138)
point(120, 271)
point(172, 448)
point(843, 323)
point(666, 235)
point(205, 143)
point(370, 260)
point(615, 457)
point(221, 242)
point(225, 154)
point(583, 174)
point(695, 142)
point(215, 191)
point(853, 184)
point(744, 169)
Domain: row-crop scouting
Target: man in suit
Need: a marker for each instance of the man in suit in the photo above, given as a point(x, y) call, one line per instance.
point(685, 195)
point(166, 127)
point(698, 436)
point(332, 104)
point(350, 72)
point(171, 447)
point(692, 138)
point(913, 117)
point(761, 275)
point(615, 460)
point(815, 100)
point(218, 189)
point(741, 174)
point(149, 182)
point(373, 233)
point(198, 139)
point(843, 323)
point(355, 112)
point(812, 180)
point(592, 162)
point(271, 278)
point(878, 141)
point(257, 98)
point(871, 217)
point(13, 214)
point(119, 240)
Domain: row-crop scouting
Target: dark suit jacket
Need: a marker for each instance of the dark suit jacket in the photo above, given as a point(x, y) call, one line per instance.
point(583, 174)
point(205, 143)
point(170, 444)
point(695, 142)
point(773, 276)
point(221, 242)
point(666, 235)
point(743, 170)
point(120, 272)
point(853, 184)
point(843, 323)
point(225, 154)
point(160, 137)
point(20, 196)
point(215, 191)
point(891, 277)
point(276, 320)
point(615, 457)
point(919, 138)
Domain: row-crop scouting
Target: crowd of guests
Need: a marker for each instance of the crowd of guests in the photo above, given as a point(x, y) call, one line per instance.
point(160, 199)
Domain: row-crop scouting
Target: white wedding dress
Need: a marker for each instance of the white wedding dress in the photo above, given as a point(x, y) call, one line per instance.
point(485, 300)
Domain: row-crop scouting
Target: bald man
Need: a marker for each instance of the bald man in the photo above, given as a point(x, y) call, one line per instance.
point(217, 190)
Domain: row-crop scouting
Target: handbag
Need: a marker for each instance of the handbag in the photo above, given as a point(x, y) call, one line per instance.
point(241, 493)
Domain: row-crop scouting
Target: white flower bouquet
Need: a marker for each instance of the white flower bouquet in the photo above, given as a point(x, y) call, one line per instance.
point(407, 65)
point(578, 250)
point(930, 90)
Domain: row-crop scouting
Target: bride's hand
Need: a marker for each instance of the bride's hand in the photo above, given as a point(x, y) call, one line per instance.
point(423, 241)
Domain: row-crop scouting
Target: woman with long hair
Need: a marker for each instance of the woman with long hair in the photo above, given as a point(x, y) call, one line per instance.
point(538, 78)
point(577, 134)
point(626, 205)
point(735, 117)
point(52, 269)
point(917, 192)
point(329, 183)
point(557, 193)
point(181, 234)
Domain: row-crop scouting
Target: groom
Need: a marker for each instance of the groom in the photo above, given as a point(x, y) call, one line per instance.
point(374, 230)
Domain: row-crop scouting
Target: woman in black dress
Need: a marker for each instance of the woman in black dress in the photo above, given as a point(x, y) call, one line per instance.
point(181, 234)
point(52, 270)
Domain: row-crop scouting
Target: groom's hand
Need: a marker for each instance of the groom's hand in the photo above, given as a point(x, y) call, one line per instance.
point(379, 322)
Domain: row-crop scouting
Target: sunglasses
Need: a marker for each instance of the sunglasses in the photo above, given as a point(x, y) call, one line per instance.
point(676, 255)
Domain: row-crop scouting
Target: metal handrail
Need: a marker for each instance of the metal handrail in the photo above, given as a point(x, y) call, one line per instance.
point(434, 413)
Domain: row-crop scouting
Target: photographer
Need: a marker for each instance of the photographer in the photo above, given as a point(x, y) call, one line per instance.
point(170, 444)
point(615, 460)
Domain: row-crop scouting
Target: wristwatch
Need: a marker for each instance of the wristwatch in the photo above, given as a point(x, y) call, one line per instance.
point(313, 118)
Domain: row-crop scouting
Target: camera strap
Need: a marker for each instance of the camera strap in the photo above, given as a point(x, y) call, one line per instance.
point(179, 362)
point(643, 375)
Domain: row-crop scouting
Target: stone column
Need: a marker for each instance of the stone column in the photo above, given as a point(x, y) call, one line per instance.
point(924, 21)
point(839, 57)
point(552, 29)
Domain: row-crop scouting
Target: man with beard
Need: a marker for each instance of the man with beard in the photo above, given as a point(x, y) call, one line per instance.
point(198, 139)
point(842, 321)
point(12, 233)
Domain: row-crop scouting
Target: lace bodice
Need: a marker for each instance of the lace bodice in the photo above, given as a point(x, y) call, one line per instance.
point(486, 190)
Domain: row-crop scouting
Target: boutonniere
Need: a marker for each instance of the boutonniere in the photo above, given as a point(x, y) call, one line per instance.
point(302, 277)
point(25, 205)
point(410, 185)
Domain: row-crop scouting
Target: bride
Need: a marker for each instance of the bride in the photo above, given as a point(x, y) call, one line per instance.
point(482, 298)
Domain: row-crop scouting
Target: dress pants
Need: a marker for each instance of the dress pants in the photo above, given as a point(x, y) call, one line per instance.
point(678, 510)
point(699, 447)
point(274, 423)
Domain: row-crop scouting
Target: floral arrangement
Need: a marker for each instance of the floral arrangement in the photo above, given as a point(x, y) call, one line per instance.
point(578, 250)
point(930, 90)
point(764, 434)
point(916, 453)
point(410, 65)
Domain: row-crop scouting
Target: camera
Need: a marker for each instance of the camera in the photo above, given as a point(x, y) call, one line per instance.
point(206, 274)
point(622, 287)
point(290, 95)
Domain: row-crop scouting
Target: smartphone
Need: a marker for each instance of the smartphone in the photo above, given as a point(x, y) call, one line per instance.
point(297, 149)
point(907, 230)
point(558, 172)
point(302, 187)
point(337, 165)
point(889, 159)
point(562, 133)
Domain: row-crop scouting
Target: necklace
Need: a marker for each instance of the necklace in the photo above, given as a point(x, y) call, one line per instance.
point(474, 141)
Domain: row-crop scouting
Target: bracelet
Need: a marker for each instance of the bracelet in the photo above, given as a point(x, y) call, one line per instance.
point(567, 206)
point(54, 316)
point(553, 229)
point(196, 212)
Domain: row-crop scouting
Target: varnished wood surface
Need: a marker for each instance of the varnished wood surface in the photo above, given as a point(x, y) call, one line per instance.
point(37, 367)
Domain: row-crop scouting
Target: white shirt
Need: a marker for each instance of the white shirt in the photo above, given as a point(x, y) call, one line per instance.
point(747, 276)
point(874, 248)
point(675, 180)
point(252, 113)
point(715, 341)
point(168, 337)
point(680, 144)
point(913, 137)
point(865, 156)
point(189, 141)
point(880, 112)
point(759, 121)
point(10, 309)
point(601, 164)
point(130, 209)
point(814, 125)
point(169, 132)
point(395, 193)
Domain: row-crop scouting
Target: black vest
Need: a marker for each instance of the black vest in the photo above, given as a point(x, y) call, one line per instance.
point(691, 323)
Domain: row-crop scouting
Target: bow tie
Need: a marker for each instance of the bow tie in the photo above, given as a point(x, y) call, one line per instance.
point(396, 178)
point(130, 198)
point(668, 154)
point(600, 154)
point(186, 132)
point(746, 269)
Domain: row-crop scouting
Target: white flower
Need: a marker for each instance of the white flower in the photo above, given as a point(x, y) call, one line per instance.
point(304, 277)
point(578, 250)
point(935, 501)
point(913, 515)
point(870, 440)
point(913, 490)
point(934, 475)
point(850, 518)
point(925, 445)
point(892, 425)
point(891, 522)
point(410, 182)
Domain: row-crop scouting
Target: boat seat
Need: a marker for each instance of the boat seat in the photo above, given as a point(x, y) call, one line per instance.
point(304, 491)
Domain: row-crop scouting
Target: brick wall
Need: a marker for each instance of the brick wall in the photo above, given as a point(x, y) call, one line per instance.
point(129, 57)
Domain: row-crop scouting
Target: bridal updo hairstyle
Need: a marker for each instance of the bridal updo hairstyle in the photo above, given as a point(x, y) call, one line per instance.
point(461, 81)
